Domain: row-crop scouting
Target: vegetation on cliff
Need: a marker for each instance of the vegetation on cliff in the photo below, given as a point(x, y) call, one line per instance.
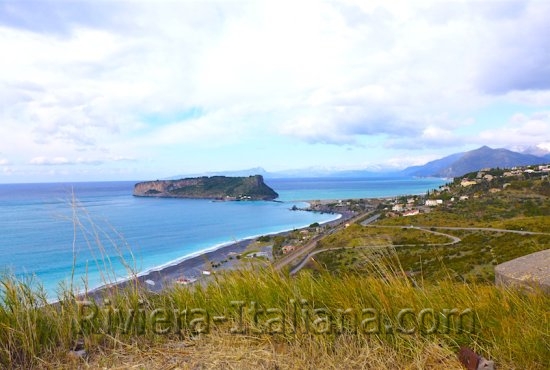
point(215, 187)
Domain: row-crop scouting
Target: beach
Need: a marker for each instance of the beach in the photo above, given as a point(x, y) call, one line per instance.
point(191, 270)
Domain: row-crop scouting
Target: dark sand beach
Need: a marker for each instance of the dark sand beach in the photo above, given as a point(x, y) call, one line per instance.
point(191, 268)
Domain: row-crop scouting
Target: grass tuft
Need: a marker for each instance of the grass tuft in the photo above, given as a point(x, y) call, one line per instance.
point(511, 327)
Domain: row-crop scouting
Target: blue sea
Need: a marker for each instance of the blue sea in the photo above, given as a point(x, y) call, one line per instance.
point(93, 233)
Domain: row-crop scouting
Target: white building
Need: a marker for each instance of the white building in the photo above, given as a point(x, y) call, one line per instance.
point(397, 208)
point(433, 202)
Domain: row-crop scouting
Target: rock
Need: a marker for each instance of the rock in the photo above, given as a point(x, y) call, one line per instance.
point(81, 353)
point(78, 350)
point(531, 271)
point(473, 361)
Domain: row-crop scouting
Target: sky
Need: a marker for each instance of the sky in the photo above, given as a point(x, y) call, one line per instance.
point(138, 90)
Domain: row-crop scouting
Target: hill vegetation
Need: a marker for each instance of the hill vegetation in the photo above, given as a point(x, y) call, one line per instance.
point(483, 219)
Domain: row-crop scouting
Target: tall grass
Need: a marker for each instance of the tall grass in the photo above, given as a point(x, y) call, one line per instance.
point(105, 245)
point(512, 327)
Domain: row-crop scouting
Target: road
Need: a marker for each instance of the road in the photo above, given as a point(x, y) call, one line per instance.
point(521, 232)
point(305, 260)
point(309, 252)
point(312, 244)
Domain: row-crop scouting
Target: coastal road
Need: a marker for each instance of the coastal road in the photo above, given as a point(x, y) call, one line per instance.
point(454, 239)
point(521, 232)
point(312, 244)
point(305, 260)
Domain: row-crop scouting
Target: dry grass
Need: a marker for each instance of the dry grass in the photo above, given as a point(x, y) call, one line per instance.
point(513, 327)
point(230, 352)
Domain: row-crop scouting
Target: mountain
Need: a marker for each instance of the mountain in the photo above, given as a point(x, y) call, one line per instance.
point(310, 172)
point(432, 168)
point(215, 187)
point(461, 163)
point(314, 172)
point(453, 165)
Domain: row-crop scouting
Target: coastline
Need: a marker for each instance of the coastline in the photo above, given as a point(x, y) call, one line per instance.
point(191, 266)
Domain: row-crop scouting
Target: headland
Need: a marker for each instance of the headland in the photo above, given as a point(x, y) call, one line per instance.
point(215, 187)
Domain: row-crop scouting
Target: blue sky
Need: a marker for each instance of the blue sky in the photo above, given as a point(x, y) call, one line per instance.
point(150, 89)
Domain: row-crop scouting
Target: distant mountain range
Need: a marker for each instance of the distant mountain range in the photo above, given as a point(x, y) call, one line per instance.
point(461, 163)
point(453, 165)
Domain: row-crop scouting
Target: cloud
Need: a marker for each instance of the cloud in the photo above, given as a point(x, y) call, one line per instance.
point(64, 161)
point(59, 17)
point(82, 79)
point(4, 162)
point(521, 131)
point(517, 54)
point(57, 161)
point(432, 136)
point(49, 161)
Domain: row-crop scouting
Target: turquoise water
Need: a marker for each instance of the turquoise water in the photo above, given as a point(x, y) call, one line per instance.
point(45, 236)
point(352, 188)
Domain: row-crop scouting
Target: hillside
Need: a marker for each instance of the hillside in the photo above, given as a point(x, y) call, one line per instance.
point(495, 215)
point(461, 163)
point(215, 187)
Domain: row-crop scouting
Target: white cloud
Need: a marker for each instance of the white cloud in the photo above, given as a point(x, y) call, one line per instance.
point(407, 74)
point(521, 131)
point(518, 57)
point(49, 161)
point(56, 161)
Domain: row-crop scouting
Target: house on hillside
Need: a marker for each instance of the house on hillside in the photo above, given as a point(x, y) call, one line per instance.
point(433, 202)
point(465, 183)
point(397, 208)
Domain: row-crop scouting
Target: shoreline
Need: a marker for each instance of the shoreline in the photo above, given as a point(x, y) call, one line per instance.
point(191, 267)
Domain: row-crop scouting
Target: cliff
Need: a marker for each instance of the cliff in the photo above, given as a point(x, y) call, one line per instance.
point(215, 187)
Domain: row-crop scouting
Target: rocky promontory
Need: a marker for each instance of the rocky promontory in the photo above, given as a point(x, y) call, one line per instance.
point(215, 187)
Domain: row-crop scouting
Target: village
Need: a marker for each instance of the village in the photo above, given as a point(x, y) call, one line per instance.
point(463, 188)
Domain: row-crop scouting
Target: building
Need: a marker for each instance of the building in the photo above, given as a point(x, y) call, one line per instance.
point(397, 208)
point(412, 212)
point(433, 202)
point(466, 183)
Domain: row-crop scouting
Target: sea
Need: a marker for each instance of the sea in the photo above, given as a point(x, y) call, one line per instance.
point(84, 235)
